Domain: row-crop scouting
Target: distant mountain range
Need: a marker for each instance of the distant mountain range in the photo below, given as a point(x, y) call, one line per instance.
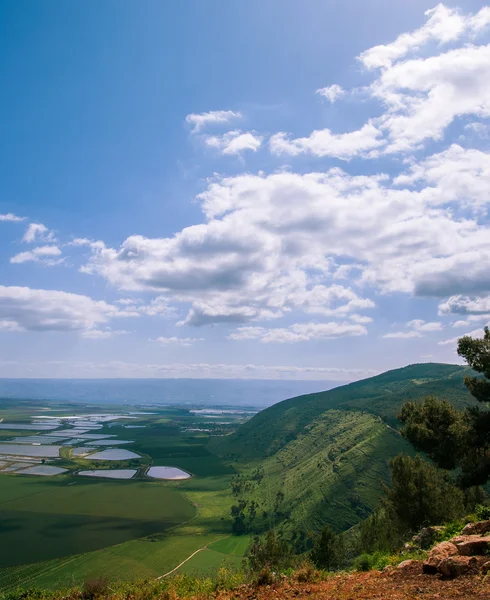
point(328, 452)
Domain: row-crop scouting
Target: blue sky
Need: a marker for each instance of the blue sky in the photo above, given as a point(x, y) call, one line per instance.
point(250, 189)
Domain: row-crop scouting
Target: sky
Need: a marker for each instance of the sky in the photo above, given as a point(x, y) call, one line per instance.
point(267, 190)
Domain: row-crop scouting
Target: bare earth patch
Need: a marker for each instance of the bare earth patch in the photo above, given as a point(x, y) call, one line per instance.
point(406, 585)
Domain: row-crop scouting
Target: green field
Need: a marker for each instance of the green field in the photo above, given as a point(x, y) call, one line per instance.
point(208, 562)
point(231, 545)
point(50, 519)
point(59, 530)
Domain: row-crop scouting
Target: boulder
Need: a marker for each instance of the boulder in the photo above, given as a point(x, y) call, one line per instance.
point(407, 565)
point(473, 545)
point(476, 528)
point(455, 566)
point(438, 554)
point(426, 537)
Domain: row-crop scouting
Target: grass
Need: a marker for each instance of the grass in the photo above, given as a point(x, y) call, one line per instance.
point(208, 562)
point(48, 519)
point(232, 545)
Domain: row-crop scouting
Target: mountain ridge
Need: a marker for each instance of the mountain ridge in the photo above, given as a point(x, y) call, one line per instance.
point(328, 453)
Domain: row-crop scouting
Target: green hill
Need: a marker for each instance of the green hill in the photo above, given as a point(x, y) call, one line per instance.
point(328, 452)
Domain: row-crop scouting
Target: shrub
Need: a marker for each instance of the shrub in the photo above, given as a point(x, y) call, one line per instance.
point(482, 512)
point(371, 562)
point(307, 573)
point(95, 588)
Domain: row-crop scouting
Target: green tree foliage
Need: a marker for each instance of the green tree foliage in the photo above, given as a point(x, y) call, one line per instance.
point(380, 532)
point(457, 438)
point(421, 494)
point(269, 552)
point(328, 550)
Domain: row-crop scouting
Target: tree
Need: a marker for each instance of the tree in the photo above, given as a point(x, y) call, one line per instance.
point(421, 494)
point(457, 438)
point(328, 551)
point(269, 552)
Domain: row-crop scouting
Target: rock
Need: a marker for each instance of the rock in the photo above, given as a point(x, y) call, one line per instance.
point(476, 528)
point(426, 537)
point(485, 568)
point(436, 555)
point(455, 566)
point(473, 545)
point(408, 564)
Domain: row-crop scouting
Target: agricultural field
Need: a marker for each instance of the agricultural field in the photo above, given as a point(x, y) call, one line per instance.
point(57, 530)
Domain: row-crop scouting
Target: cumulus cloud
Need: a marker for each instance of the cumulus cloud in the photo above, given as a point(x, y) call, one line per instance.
point(46, 255)
point(52, 310)
point(101, 334)
point(443, 25)
point(420, 95)
point(267, 240)
point(37, 232)
point(464, 305)
point(323, 142)
point(454, 340)
point(234, 142)
point(331, 93)
point(177, 341)
point(404, 335)
point(415, 329)
point(10, 217)
point(199, 121)
point(301, 332)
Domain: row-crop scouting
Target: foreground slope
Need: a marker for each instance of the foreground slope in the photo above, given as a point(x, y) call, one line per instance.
point(328, 452)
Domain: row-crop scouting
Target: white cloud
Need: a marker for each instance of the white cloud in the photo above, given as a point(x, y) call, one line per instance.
point(480, 130)
point(454, 341)
point(332, 92)
point(416, 329)
point(234, 142)
point(323, 142)
point(176, 341)
point(455, 176)
point(267, 241)
point(10, 217)
point(444, 25)
point(87, 369)
point(461, 324)
point(214, 117)
point(6, 325)
point(37, 232)
point(404, 335)
point(102, 334)
point(420, 95)
point(42, 254)
point(424, 326)
point(302, 332)
point(362, 319)
point(51, 310)
point(473, 309)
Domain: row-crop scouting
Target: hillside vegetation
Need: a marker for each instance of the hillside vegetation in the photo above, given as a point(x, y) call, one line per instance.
point(325, 456)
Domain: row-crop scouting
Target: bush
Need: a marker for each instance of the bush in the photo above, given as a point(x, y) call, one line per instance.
point(95, 588)
point(370, 562)
point(307, 573)
point(270, 553)
point(264, 577)
point(482, 512)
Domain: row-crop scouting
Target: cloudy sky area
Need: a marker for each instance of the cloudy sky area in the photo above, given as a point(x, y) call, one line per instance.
point(255, 189)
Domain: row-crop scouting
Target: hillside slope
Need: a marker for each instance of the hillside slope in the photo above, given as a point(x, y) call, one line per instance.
point(328, 453)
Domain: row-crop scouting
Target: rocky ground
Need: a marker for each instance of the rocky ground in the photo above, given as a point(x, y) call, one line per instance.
point(401, 584)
